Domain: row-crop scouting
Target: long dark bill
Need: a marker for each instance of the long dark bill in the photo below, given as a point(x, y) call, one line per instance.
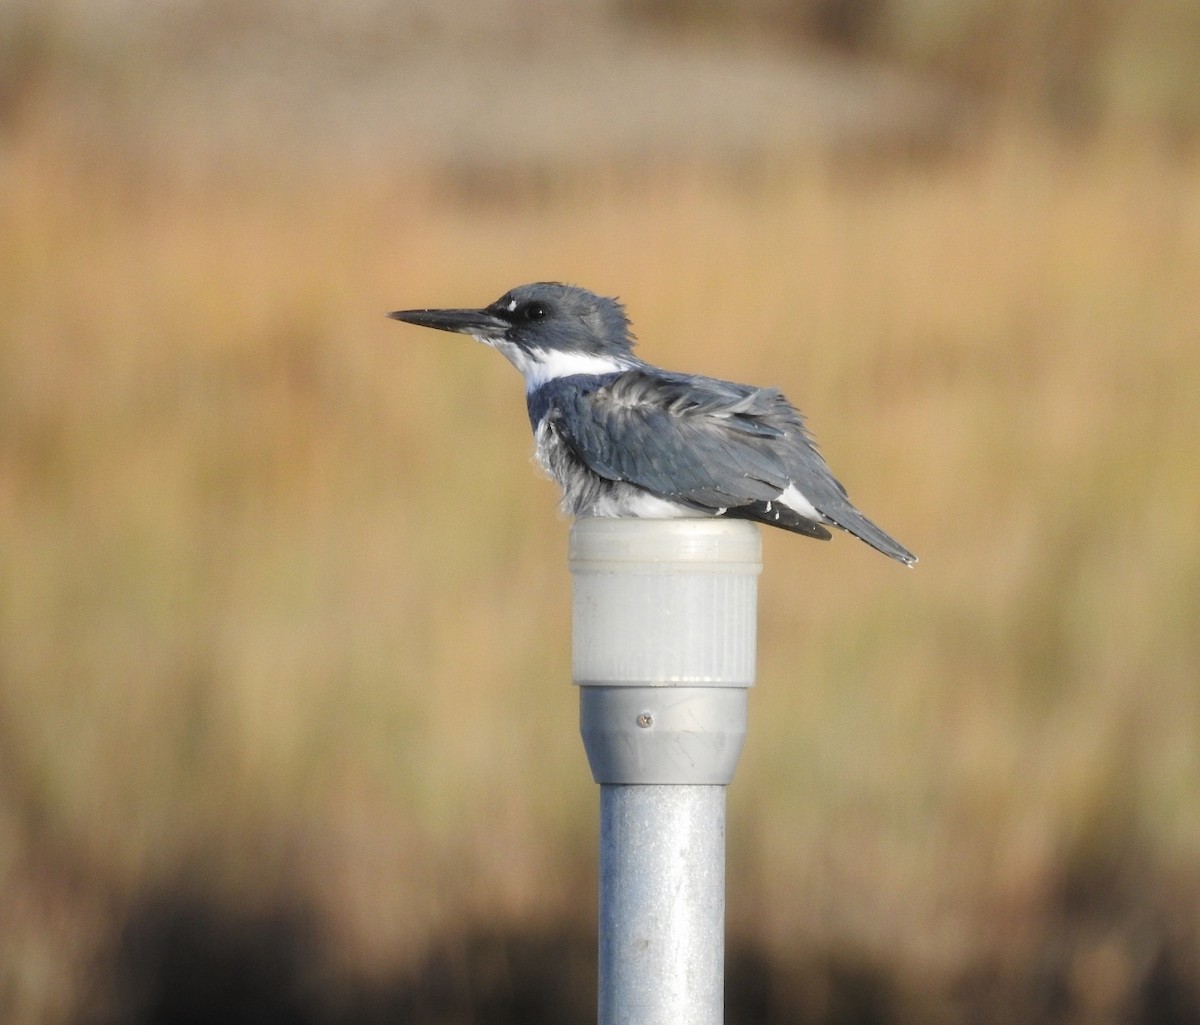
point(465, 322)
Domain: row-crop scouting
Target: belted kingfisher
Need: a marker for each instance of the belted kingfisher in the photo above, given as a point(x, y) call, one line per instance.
point(623, 438)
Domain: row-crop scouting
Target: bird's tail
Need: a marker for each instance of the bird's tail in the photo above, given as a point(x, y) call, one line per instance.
point(854, 522)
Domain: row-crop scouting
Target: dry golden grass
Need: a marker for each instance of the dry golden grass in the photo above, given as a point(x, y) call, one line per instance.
point(284, 608)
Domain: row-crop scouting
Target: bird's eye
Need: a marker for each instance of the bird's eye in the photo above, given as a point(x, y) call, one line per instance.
point(535, 311)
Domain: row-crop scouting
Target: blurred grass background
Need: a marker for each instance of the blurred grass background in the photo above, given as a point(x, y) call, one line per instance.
point(285, 720)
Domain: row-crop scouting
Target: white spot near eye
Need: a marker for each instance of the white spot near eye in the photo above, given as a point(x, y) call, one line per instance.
point(511, 306)
point(769, 508)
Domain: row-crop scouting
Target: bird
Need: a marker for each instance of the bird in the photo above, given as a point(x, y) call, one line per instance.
point(624, 438)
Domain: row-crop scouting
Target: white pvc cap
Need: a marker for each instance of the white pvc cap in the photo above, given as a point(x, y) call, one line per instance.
point(662, 602)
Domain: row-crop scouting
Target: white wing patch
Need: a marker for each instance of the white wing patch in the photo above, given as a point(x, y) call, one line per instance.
point(794, 500)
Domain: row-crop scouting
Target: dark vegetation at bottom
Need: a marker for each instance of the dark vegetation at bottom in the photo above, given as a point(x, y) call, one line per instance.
point(186, 960)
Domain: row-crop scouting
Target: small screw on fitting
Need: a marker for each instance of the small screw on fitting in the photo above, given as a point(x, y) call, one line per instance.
point(645, 720)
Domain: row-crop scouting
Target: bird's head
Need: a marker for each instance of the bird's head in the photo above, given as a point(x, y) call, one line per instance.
point(546, 330)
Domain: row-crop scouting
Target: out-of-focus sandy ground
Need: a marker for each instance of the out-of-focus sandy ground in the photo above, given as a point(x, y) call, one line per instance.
point(286, 732)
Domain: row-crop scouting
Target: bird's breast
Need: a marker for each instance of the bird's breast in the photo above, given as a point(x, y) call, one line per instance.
point(586, 493)
point(550, 450)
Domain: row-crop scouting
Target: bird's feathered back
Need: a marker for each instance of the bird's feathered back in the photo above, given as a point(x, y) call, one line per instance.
point(713, 446)
point(709, 443)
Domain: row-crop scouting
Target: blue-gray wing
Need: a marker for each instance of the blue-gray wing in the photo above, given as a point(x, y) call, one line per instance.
point(711, 445)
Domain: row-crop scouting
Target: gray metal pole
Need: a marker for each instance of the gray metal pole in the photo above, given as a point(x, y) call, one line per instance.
point(664, 646)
